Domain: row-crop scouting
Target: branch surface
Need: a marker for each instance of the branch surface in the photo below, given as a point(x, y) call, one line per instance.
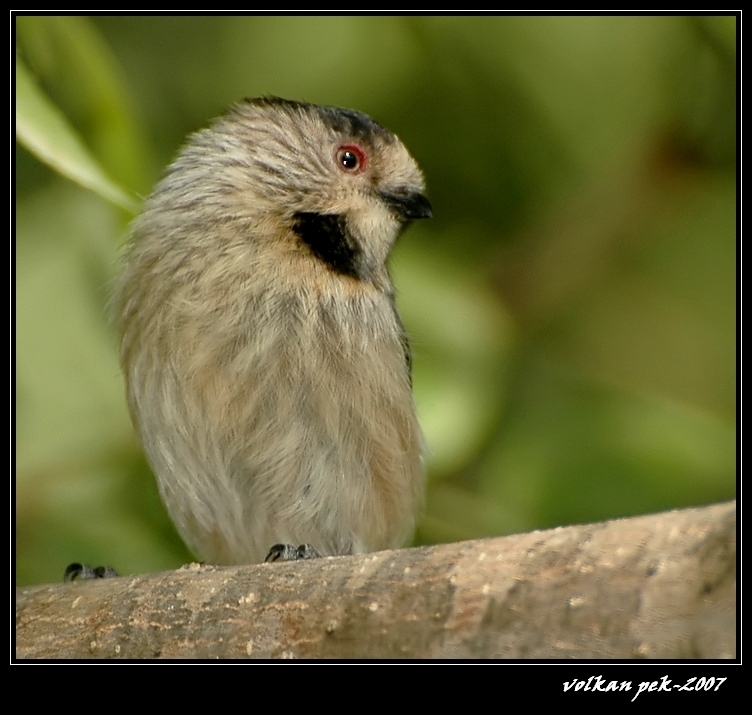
point(658, 586)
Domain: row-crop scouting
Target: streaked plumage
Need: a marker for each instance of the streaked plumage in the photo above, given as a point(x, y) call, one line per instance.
point(267, 370)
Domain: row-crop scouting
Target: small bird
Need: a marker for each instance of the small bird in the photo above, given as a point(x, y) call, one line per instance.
point(268, 373)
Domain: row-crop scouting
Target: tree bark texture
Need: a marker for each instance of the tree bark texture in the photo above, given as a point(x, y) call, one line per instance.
point(658, 586)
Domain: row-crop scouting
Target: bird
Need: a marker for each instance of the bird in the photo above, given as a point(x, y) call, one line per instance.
point(267, 371)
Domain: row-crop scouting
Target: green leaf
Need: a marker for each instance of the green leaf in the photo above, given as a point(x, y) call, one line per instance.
point(45, 132)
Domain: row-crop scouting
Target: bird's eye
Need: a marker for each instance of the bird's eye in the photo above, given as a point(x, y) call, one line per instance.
point(351, 158)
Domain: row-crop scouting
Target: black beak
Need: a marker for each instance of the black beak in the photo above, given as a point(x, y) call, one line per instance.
point(408, 205)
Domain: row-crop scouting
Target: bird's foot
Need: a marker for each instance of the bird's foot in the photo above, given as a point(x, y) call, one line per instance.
point(83, 572)
point(288, 552)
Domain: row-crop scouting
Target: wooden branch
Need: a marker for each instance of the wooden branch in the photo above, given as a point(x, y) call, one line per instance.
point(659, 586)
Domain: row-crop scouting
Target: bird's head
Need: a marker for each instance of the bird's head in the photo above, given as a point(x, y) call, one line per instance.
point(332, 179)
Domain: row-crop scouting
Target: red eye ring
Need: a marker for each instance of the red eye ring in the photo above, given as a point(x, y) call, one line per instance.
point(351, 158)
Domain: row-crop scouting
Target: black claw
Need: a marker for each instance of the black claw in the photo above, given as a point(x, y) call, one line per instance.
point(83, 572)
point(105, 572)
point(281, 552)
point(288, 552)
point(75, 571)
point(306, 551)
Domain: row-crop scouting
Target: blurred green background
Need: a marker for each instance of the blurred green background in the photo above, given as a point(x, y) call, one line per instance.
point(572, 305)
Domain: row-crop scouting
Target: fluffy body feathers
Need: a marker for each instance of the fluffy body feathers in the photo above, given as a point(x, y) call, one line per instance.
point(267, 369)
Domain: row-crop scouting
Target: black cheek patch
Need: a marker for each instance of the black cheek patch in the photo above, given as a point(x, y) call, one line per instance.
point(326, 236)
